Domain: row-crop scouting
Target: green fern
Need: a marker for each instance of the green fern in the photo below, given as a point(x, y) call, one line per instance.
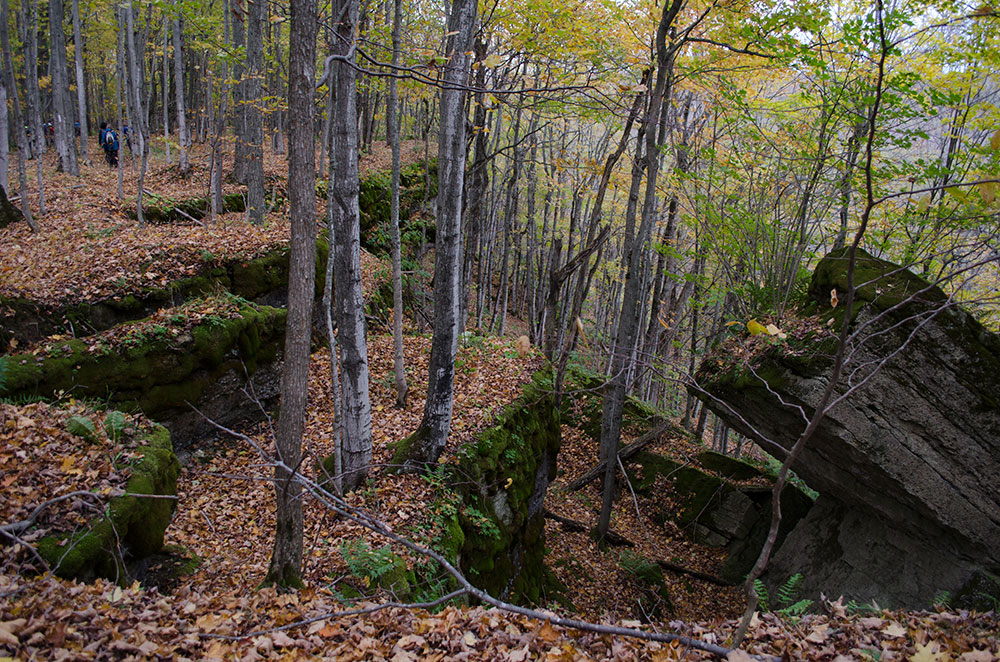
point(22, 399)
point(790, 589)
point(763, 599)
point(795, 610)
point(786, 596)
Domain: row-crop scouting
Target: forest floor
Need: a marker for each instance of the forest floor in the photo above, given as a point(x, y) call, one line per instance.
point(224, 521)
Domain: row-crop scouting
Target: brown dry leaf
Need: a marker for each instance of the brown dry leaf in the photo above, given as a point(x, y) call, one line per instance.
point(818, 635)
point(894, 630)
point(929, 652)
point(977, 656)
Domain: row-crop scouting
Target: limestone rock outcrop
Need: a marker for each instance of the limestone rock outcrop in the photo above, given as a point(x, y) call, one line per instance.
point(906, 464)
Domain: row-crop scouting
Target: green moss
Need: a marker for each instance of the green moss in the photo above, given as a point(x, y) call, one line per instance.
point(149, 371)
point(131, 524)
point(728, 467)
point(497, 476)
point(646, 571)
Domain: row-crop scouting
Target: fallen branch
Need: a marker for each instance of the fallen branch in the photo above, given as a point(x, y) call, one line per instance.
point(611, 537)
point(368, 521)
point(188, 216)
point(705, 577)
point(15, 528)
point(624, 454)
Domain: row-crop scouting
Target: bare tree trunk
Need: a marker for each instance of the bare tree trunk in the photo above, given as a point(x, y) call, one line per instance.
point(215, 180)
point(252, 113)
point(4, 134)
point(184, 142)
point(285, 568)
point(81, 88)
point(19, 128)
point(343, 194)
point(120, 63)
point(239, 97)
point(135, 110)
point(29, 19)
point(65, 145)
point(166, 88)
point(392, 130)
point(614, 399)
point(425, 446)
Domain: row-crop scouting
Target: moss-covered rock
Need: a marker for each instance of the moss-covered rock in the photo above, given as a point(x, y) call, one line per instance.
point(583, 402)
point(131, 528)
point(149, 369)
point(905, 463)
point(374, 202)
point(161, 209)
point(502, 478)
point(263, 279)
point(728, 467)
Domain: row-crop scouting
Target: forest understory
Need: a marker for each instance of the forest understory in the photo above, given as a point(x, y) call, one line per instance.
point(200, 601)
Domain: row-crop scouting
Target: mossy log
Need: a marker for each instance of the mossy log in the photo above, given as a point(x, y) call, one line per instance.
point(131, 528)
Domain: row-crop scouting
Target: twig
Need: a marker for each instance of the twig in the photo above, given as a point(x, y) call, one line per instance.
point(17, 527)
point(364, 519)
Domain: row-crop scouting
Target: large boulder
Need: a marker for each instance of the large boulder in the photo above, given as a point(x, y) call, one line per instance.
point(906, 463)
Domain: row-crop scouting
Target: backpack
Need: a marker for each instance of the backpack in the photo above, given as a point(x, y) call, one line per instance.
point(111, 140)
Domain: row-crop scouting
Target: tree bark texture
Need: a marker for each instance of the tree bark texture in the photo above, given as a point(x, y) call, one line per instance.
point(19, 127)
point(60, 91)
point(429, 440)
point(286, 560)
point(392, 130)
point(252, 113)
point(356, 448)
point(81, 87)
point(628, 324)
point(182, 133)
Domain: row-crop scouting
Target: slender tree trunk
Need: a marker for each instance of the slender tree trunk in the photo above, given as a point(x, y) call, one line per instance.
point(425, 446)
point(4, 133)
point(628, 324)
point(184, 142)
point(19, 128)
point(240, 155)
point(65, 145)
point(29, 11)
point(285, 568)
point(81, 94)
point(120, 63)
point(477, 185)
point(392, 130)
point(135, 112)
point(253, 114)
point(343, 190)
point(166, 88)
